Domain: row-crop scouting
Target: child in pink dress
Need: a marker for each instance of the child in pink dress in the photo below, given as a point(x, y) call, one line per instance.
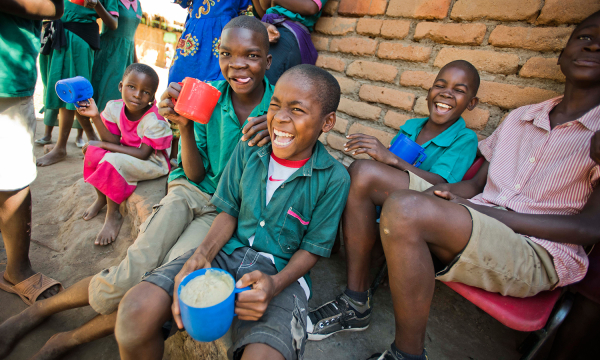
point(135, 146)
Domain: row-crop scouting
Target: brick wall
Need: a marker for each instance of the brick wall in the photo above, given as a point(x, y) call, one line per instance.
point(386, 53)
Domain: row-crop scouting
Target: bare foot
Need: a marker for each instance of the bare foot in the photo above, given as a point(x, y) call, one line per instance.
point(13, 329)
point(48, 148)
point(55, 347)
point(54, 156)
point(111, 228)
point(94, 209)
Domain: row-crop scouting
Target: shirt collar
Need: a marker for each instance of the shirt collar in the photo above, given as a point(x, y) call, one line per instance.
point(130, 3)
point(320, 158)
point(445, 139)
point(540, 115)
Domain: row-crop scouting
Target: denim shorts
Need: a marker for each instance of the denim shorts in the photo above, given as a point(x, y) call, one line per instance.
point(282, 326)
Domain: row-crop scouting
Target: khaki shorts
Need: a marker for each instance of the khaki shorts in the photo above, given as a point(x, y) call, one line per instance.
point(497, 259)
point(179, 223)
point(416, 183)
point(17, 128)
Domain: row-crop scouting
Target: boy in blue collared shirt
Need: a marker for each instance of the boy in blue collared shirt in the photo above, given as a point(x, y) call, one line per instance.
point(450, 148)
point(280, 208)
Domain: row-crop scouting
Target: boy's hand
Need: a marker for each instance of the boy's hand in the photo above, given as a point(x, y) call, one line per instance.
point(195, 262)
point(256, 126)
point(595, 147)
point(252, 304)
point(273, 32)
point(90, 4)
point(88, 108)
point(166, 107)
point(447, 195)
point(370, 145)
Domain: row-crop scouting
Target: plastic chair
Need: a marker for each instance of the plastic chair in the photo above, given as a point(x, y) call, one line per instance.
point(523, 314)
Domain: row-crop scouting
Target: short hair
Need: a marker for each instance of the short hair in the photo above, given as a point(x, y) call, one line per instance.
point(468, 68)
point(594, 15)
point(143, 69)
point(326, 87)
point(251, 23)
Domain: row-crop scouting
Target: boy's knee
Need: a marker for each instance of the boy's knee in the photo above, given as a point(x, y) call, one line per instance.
point(133, 326)
point(361, 173)
point(403, 209)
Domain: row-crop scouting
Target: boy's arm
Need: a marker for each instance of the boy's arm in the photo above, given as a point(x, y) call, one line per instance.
point(258, 8)
point(218, 235)
point(34, 9)
point(252, 304)
point(302, 7)
point(465, 189)
point(580, 229)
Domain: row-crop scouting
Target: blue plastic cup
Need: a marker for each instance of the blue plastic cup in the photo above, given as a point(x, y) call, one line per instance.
point(208, 323)
point(408, 150)
point(74, 90)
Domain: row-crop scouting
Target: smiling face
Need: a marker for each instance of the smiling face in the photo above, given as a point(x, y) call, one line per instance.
point(137, 90)
point(295, 118)
point(243, 59)
point(580, 59)
point(452, 92)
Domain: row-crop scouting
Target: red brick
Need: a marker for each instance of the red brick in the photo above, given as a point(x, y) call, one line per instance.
point(340, 125)
point(421, 107)
point(330, 7)
point(383, 136)
point(396, 51)
point(567, 11)
point(372, 71)
point(545, 68)
point(362, 7)
point(320, 42)
point(468, 34)
point(419, 9)
point(335, 26)
point(359, 109)
point(330, 62)
point(347, 86)
point(417, 78)
point(490, 61)
point(512, 96)
point(369, 26)
point(395, 98)
point(475, 119)
point(394, 119)
point(537, 39)
point(505, 10)
point(336, 141)
point(354, 46)
point(395, 29)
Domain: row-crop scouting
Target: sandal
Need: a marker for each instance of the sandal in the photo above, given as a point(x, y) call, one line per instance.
point(31, 288)
point(43, 142)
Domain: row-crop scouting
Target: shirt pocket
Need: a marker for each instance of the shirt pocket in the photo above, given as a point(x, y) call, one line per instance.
point(292, 231)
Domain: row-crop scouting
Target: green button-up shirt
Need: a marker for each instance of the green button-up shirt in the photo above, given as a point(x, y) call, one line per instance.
point(316, 193)
point(217, 140)
point(450, 154)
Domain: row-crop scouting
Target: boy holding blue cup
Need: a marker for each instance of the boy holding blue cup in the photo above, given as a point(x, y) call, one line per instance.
point(280, 206)
point(449, 149)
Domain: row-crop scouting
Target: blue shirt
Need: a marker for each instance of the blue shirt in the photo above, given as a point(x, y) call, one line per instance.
point(450, 154)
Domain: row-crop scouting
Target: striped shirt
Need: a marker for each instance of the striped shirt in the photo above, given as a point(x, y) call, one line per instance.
point(538, 170)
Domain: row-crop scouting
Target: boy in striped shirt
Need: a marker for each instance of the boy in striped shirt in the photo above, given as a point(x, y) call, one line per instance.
point(531, 208)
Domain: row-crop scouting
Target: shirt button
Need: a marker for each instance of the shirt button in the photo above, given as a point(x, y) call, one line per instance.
point(262, 223)
point(517, 186)
point(531, 159)
point(570, 124)
point(503, 198)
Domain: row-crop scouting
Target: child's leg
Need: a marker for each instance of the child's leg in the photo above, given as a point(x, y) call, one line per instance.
point(87, 127)
point(97, 328)
point(47, 135)
point(261, 351)
point(142, 313)
point(112, 224)
point(19, 325)
point(95, 208)
point(79, 138)
point(59, 152)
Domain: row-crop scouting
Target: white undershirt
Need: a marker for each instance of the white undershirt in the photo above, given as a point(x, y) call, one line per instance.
point(278, 174)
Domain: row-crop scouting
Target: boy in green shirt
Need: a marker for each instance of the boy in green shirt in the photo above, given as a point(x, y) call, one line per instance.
point(280, 208)
point(184, 216)
point(450, 148)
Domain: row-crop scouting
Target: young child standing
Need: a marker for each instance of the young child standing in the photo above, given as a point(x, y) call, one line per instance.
point(135, 146)
point(280, 208)
point(450, 149)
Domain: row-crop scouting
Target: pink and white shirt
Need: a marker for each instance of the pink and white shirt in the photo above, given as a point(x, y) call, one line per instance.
point(538, 170)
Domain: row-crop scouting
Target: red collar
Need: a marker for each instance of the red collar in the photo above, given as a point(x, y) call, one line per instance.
point(289, 163)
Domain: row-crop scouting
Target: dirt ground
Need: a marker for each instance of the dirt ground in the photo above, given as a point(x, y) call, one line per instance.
point(62, 247)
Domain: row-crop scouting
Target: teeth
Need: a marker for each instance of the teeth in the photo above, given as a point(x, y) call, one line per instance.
point(443, 106)
point(282, 143)
point(281, 133)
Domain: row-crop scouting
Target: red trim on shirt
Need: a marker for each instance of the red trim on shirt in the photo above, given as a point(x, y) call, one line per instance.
point(289, 163)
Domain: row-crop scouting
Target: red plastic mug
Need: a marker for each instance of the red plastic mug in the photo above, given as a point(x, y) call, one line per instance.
point(196, 100)
point(78, 2)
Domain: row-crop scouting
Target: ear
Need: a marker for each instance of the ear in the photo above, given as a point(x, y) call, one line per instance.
point(559, 56)
point(428, 93)
point(329, 122)
point(473, 103)
point(120, 86)
point(269, 60)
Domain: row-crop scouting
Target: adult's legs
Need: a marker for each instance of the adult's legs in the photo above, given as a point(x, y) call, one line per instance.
point(112, 224)
point(59, 152)
point(413, 226)
point(142, 313)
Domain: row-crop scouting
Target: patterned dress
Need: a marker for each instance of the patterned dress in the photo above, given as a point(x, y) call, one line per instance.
point(115, 174)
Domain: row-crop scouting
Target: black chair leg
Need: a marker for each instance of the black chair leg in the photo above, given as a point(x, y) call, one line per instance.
point(535, 341)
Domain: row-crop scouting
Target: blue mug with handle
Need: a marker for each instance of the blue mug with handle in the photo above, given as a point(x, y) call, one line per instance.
point(408, 150)
point(74, 90)
point(208, 323)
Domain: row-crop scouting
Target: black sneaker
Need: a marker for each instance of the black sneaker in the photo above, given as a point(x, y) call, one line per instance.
point(341, 314)
point(387, 355)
